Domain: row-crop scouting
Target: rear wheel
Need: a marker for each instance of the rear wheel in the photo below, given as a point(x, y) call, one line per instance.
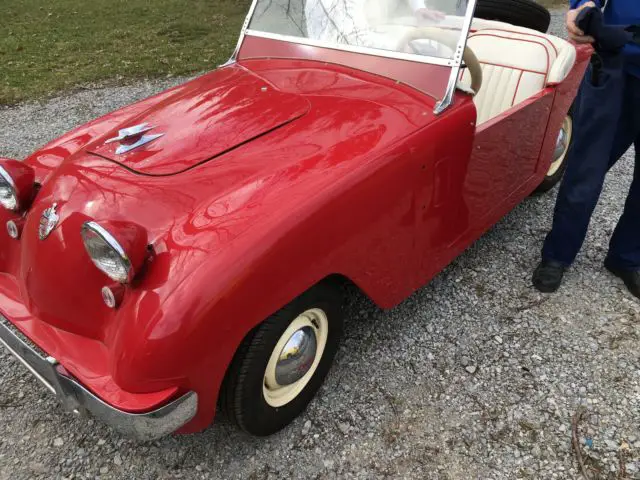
point(559, 163)
point(282, 363)
point(522, 13)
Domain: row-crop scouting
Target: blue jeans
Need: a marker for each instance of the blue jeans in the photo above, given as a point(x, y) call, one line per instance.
point(606, 124)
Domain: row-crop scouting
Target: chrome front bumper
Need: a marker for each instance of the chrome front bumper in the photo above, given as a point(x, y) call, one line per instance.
point(77, 399)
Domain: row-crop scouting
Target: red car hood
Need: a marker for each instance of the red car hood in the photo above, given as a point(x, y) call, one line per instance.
point(207, 119)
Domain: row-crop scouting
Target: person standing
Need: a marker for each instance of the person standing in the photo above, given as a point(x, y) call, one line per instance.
point(606, 124)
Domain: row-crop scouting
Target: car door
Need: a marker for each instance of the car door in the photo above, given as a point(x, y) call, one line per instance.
point(513, 106)
point(504, 159)
point(476, 176)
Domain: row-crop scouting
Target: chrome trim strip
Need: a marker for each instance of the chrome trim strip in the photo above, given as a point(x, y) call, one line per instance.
point(447, 62)
point(125, 133)
point(447, 99)
point(122, 149)
point(7, 178)
point(28, 352)
point(48, 221)
point(4, 174)
point(77, 399)
point(113, 243)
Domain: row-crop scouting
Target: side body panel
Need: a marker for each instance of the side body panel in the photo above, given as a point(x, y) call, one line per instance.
point(505, 154)
point(510, 158)
point(470, 192)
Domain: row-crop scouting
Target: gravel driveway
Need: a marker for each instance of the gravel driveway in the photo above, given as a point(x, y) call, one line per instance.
point(475, 376)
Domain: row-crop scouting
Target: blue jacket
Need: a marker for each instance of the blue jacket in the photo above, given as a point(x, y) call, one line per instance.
point(621, 12)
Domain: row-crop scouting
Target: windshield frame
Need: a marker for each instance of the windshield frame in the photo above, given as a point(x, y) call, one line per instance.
point(455, 62)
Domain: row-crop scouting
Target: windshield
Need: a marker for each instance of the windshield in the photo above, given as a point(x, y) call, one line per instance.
point(427, 30)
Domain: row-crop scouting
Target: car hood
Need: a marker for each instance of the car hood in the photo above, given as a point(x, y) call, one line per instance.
point(198, 123)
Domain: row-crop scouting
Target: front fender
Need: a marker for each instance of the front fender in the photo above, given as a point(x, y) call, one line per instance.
point(237, 259)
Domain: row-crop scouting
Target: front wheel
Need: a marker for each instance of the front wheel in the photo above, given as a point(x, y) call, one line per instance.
point(559, 163)
point(282, 363)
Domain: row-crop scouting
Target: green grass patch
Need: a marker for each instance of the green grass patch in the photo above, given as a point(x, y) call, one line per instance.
point(47, 46)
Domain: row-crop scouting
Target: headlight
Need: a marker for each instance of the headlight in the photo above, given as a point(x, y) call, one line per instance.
point(16, 184)
point(8, 194)
point(106, 253)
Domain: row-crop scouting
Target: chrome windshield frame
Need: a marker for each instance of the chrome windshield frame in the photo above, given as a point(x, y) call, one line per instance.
point(243, 31)
point(447, 99)
point(455, 63)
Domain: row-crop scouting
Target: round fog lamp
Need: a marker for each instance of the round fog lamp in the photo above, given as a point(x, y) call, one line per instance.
point(13, 230)
point(112, 295)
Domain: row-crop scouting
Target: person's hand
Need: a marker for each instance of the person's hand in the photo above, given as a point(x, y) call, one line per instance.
point(575, 33)
point(426, 14)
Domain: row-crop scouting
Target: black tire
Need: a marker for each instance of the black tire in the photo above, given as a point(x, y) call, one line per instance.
point(242, 397)
point(551, 181)
point(522, 13)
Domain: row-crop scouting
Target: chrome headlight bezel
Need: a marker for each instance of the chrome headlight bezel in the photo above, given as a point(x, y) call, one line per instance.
point(108, 240)
point(5, 178)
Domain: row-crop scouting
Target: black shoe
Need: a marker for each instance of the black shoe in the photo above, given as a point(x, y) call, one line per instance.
point(548, 276)
point(631, 278)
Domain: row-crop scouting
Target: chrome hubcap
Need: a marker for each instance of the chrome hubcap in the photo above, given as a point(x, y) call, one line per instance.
point(297, 356)
point(562, 146)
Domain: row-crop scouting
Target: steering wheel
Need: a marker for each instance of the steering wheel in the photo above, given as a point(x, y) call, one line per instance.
point(450, 40)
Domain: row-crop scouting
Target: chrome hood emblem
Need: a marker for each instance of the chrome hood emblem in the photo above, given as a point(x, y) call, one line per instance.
point(133, 137)
point(48, 221)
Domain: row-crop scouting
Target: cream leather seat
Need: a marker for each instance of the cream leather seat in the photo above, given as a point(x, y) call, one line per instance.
point(516, 64)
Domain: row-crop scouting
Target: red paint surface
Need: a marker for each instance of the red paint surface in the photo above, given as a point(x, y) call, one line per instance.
point(83, 357)
point(430, 79)
point(219, 112)
point(359, 179)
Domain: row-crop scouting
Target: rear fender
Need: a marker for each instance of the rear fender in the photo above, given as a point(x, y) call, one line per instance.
point(565, 93)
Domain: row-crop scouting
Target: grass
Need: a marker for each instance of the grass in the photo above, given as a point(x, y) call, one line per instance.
point(47, 46)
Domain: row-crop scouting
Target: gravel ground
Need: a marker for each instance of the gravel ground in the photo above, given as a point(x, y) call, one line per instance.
point(475, 376)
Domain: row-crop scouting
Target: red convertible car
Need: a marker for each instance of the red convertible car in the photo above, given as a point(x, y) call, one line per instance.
point(186, 253)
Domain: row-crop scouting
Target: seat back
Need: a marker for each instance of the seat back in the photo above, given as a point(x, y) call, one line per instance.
point(516, 64)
